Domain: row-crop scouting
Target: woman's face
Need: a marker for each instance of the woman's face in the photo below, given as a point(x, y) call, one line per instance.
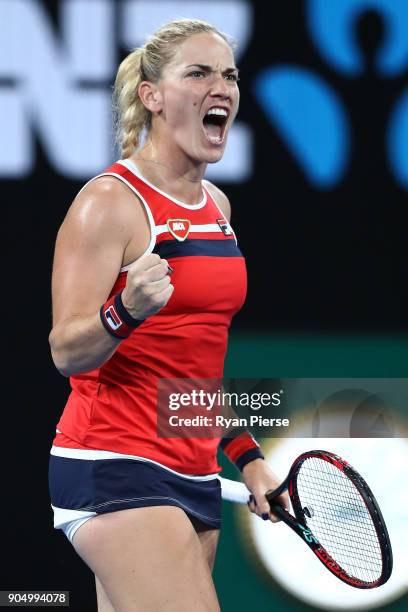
point(200, 96)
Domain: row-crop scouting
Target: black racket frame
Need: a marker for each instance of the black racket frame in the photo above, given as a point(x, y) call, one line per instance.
point(299, 522)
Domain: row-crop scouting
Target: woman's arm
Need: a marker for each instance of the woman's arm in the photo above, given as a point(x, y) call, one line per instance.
point(104, 220)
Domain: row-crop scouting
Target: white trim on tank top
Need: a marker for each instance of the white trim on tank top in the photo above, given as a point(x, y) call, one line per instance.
point(130, 165)
point(153, 228)
point(146, 207)
point(221, 212)
point(206, 227)
point(95, 455)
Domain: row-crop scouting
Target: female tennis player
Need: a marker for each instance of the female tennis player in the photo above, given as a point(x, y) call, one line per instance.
point(147, 276)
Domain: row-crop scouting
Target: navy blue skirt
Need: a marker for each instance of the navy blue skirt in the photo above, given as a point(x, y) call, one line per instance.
point(105, 485)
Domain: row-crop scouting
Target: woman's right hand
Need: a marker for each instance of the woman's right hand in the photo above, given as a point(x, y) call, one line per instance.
point(148, 287)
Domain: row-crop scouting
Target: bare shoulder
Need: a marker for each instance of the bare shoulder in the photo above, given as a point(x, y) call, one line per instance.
point(104, 204)
point(101, 223)
point(220, 198)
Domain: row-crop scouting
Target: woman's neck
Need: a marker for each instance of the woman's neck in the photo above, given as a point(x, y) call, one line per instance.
point(174, 175)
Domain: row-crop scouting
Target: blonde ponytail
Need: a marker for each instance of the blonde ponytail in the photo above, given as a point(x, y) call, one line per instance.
point(146, 64)
point(132, 115)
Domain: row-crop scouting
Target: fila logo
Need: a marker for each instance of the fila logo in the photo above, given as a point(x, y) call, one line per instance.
point(226, 228)
point(112, 318)
point(179, 228)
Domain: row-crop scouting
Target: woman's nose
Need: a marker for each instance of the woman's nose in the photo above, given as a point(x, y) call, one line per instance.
point(220, 87)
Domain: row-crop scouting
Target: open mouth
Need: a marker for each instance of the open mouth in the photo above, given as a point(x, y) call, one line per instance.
point(214, 122)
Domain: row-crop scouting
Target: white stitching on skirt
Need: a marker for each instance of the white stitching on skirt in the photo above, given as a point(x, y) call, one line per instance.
point(179, 503)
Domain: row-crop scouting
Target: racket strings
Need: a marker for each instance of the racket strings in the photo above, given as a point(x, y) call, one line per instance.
point(340, 519)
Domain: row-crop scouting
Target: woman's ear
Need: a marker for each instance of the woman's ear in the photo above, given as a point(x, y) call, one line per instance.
point(150, 96)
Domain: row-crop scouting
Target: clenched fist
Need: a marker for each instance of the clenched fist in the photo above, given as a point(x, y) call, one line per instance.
point(148, 287)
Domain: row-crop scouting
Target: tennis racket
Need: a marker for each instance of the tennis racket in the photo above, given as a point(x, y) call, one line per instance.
point(335, 514)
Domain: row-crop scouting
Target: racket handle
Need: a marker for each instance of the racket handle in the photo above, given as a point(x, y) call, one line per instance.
point(276, 508)
point(280, 511)
point(234, 491)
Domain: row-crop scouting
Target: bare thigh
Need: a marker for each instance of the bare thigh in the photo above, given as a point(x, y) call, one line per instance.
point(209, 541)
point(103, 601)
point(148, 559)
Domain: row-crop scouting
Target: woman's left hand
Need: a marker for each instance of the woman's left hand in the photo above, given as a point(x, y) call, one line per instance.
point(259, 478)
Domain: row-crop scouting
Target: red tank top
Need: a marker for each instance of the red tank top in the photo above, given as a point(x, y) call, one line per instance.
point(114, 407)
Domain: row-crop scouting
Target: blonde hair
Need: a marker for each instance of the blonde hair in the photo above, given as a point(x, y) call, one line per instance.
point(146, 63)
